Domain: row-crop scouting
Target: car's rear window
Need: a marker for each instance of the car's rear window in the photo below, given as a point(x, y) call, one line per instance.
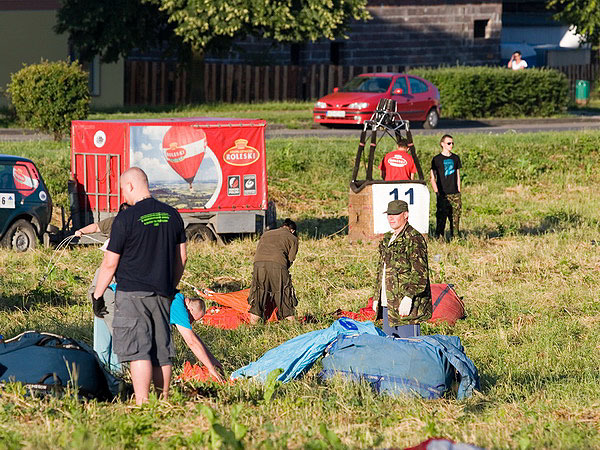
point(417, 86)
point(367, 84)
point(6, 176)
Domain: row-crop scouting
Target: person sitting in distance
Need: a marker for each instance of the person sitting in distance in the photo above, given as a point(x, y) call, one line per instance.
point(516, 62)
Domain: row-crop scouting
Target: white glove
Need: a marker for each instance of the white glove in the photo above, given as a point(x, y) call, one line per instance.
point(375, 305)
point(405, 306)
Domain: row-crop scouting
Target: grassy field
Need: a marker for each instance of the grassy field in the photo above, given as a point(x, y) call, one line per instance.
point(291, 114)
point(527, 266)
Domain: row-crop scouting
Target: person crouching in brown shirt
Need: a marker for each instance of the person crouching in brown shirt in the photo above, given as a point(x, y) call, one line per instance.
point(271, 281)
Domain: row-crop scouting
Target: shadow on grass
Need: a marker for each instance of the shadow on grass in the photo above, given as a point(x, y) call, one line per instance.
point(37, 296)
point(584, 111)
point(7, 117)
point(226, 284)
point(443, 123)
point(551, 223)
point(322, 228)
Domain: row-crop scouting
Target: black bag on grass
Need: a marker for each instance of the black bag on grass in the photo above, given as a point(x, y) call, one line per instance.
point(47, 363)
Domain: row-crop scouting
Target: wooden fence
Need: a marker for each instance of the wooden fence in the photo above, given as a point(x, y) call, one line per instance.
point(588, 72)
point(163, 83)
point(160, 83)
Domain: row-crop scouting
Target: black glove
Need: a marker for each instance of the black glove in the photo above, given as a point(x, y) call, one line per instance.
point(99, 306)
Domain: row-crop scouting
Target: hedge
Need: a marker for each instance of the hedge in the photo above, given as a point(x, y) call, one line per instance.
point(477, 92)
point(47, 96)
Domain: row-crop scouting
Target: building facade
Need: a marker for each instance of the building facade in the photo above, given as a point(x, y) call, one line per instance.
point(408, 33)
point(27, 36)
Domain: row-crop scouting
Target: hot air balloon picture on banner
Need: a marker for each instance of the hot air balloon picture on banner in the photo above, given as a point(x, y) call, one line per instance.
point(26, 180)
point(183, 147)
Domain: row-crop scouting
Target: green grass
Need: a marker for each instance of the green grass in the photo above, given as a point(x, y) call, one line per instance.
point(292, 114)
point(527, 267)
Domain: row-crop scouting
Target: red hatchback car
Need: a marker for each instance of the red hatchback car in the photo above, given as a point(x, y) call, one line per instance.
point(416, 98)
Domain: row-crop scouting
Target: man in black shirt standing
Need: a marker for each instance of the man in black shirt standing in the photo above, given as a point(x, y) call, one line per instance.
point(147, 255)
point(445, 181)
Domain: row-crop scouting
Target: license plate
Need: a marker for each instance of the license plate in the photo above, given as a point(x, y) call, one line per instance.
point(7, 201)
point(336, 114)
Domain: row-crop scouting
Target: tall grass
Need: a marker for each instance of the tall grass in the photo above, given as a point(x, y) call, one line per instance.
point(526, 266)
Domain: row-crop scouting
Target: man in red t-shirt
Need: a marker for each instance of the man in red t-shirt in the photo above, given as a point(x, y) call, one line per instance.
point(398, 164)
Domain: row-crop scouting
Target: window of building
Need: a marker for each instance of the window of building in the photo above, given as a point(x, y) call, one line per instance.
point(480, 28)
point(94, 76)
point(92, 68)
point(335, 53)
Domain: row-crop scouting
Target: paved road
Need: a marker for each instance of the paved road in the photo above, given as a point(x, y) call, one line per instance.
point(498, 126)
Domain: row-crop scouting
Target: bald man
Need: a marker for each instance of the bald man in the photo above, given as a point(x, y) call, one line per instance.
point(147, 255)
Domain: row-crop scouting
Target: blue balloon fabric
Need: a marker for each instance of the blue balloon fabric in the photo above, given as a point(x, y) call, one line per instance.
point(298, 355)
point(423, 366)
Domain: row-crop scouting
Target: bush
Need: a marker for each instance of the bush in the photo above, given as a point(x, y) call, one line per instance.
point(475, 92)
point(47, 96)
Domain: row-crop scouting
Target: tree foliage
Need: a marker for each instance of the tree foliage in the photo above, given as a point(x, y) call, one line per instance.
point(202, 22)
point(47, 96)
point(113, 28)
point(583, 14)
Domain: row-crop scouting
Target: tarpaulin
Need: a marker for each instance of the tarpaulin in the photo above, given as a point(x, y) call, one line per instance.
point(197, 373)
point(233, 311)
point(298, 355)
point(423, 365)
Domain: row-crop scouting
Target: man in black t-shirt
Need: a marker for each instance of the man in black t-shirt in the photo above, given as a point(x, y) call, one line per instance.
point(147, 255)
point(445, 181)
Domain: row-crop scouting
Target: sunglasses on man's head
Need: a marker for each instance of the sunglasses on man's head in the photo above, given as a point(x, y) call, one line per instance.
point(449, 143)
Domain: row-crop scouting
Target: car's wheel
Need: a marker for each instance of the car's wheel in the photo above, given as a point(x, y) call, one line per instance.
point(20, 236)
point(432, 119)
point(200, 232)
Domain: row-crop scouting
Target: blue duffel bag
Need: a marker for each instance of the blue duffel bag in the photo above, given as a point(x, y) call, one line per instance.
point(46, 362)
point(425, 366)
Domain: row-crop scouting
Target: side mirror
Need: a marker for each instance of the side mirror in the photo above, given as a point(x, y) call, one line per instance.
point(335, 89)
point(397, 91)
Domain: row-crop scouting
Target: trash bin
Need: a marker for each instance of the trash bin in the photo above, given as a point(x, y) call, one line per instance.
point(582, 92)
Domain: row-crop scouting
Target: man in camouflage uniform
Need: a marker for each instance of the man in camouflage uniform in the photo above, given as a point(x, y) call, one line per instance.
point(403, 265)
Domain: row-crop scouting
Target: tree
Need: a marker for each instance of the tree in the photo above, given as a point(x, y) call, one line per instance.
point(201, 22)
point(49, 95)
point(583, 14)
point(112, 28)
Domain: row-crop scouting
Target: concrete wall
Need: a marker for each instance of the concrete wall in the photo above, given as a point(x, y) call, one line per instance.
point(404, 32)
point(112, 85)
point(26, 37)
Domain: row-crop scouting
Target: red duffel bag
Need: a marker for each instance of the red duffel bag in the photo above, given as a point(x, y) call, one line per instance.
point(447, 305)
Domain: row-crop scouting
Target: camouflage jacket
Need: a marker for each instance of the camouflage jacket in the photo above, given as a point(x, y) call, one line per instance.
point(407, 274)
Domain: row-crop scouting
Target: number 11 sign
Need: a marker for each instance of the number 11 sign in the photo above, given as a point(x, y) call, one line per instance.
point(415, 194)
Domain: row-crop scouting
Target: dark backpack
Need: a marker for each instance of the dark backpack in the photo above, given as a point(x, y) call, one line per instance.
point(46, 363)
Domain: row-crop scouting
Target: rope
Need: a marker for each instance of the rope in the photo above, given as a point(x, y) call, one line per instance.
point(61, 247)
point(196, 290)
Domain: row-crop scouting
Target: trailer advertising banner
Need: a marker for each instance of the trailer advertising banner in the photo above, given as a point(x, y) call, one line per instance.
point(192, 167)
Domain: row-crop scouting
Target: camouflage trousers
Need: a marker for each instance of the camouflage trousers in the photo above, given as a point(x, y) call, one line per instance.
point(448, 207)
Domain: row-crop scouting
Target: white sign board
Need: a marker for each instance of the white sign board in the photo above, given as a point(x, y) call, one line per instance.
point(7, 201)
point(415, 194)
